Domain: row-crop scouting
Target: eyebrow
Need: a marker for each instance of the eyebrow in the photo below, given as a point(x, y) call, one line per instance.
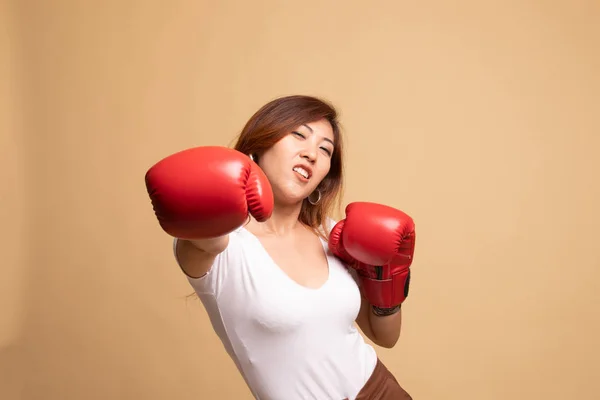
point(311, 131)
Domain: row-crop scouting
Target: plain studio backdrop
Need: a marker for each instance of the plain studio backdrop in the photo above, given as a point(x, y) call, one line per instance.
point(478, 118)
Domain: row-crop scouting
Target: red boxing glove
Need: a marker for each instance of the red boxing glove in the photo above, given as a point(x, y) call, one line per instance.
point(378, 242)
point(206, 192)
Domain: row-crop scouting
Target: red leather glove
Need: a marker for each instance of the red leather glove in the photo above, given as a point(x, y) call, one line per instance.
point(379, 243)
point(206, 192)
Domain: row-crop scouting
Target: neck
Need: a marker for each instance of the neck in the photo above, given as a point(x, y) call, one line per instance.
point(284, 220)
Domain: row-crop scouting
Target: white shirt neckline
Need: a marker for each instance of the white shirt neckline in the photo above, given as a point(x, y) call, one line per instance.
point(286, 276)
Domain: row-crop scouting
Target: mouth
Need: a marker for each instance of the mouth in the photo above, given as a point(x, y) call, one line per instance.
point(303, 172)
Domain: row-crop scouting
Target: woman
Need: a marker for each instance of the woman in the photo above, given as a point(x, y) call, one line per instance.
point(280, 280)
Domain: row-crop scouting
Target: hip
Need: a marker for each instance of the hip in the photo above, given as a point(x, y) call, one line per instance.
point(382, 385)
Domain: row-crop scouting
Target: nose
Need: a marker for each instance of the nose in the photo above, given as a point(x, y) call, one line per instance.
point(309, 154)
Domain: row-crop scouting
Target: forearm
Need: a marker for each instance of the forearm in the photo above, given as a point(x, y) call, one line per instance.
point(386, 329)
point(212, 246)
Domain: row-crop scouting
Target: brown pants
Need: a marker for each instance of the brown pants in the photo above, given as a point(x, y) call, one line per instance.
point(382, 385)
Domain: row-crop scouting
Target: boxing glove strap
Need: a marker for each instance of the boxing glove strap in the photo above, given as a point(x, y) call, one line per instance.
point(384, 312)
point(388, 293)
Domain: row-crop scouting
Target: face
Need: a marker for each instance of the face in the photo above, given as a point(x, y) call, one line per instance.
point(298, 162)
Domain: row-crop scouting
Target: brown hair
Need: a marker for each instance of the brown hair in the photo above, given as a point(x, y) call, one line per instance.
point(277, 119)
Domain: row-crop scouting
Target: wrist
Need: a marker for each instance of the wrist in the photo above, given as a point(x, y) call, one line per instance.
point(212, 246)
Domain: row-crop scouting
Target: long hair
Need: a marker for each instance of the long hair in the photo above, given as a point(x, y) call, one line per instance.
point(277, 119)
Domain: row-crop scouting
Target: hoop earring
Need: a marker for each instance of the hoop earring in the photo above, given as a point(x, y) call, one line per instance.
point(315, 202)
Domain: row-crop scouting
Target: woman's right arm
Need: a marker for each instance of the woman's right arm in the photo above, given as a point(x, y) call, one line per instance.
point(196, 257)
point(201, 195)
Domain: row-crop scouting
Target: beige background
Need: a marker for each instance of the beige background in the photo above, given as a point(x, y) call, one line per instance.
point(480, 119)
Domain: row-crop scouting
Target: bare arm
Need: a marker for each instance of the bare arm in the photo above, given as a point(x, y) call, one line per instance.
point(197, 256)
point(383, 331)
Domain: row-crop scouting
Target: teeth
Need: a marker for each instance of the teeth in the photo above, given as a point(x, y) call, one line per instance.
point(301, 171)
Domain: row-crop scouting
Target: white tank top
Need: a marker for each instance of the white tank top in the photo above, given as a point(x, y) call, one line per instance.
point(288, 341)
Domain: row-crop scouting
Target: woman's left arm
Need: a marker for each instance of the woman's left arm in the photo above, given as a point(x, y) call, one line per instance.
point(384, 331)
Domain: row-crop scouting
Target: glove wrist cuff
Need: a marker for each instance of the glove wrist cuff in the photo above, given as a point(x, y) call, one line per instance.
point(386, 294)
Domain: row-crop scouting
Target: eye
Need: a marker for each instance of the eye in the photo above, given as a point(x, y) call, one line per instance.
point(326, 150)
point(298, 134)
